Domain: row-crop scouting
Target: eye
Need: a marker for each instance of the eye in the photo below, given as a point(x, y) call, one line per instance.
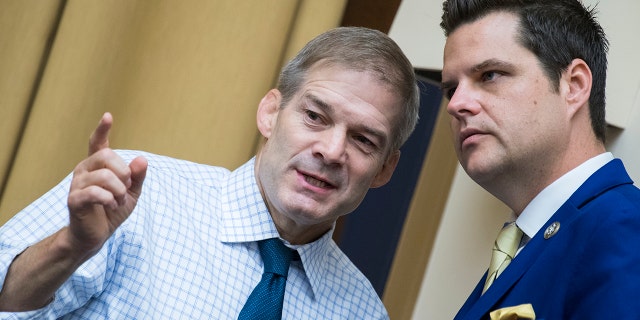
point(364, 140)
point(449, 92)
point(365, 144)
point(448, 89)
point(489, 75)
point(312, 116)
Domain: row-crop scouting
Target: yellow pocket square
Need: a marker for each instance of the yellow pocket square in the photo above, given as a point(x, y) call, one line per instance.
point(523, 311)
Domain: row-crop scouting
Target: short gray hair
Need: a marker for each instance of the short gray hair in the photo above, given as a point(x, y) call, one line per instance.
point(359, 49)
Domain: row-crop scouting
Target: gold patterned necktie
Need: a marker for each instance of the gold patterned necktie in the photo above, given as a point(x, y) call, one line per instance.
point(504, 249)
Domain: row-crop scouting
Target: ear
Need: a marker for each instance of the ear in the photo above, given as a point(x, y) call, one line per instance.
point(387, 170)
point(268, 112)
point(577, 79)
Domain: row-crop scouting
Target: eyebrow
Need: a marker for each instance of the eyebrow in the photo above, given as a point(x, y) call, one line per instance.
point(319, 102)
point(484, 65)
point(329, 109)
point(491, 63)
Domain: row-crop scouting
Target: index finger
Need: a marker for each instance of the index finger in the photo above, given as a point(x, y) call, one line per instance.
point(100, 137)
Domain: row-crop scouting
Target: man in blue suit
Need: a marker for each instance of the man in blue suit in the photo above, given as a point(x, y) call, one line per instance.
point(525, 81)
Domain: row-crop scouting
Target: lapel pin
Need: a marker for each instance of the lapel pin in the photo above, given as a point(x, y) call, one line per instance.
point(552, 230)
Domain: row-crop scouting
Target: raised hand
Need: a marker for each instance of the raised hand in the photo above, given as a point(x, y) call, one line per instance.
point(104, 191)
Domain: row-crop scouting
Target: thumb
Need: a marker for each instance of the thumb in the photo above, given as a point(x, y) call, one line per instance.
point(138, 167)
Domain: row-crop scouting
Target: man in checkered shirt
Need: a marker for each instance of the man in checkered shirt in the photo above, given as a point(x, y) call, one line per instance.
point(132, 235)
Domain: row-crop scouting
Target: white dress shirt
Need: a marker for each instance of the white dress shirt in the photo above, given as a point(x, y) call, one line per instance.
point(188, 251)
point(551, 198)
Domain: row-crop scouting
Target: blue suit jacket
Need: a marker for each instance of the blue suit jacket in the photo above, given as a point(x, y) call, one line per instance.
point(590, 269)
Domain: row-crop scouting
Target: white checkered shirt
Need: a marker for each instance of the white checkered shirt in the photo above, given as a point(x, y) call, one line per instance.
point(188, 251)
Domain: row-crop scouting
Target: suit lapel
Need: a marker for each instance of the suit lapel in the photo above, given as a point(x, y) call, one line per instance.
point(471, 300)
point(516, 269)
point(607, 177)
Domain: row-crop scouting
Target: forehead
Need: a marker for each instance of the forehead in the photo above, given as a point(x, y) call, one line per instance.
point(492, 37)
point(350, 88)
point(357, 98)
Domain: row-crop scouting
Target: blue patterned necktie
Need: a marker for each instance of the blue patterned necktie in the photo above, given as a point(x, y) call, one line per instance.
point(265, 302)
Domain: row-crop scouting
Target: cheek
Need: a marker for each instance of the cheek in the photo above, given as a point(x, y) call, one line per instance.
point(363, 175)
point(454, 124)
point(454, 128)
point(529, 126)
point(284, 138)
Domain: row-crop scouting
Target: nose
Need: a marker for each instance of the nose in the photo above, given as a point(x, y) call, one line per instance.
point(331, 146)
point(463, 102)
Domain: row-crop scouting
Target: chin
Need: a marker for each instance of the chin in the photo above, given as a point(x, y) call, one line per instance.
point(478, 171)
point(315, 217)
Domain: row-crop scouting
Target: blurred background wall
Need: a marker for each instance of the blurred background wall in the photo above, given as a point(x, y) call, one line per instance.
point(181, 78)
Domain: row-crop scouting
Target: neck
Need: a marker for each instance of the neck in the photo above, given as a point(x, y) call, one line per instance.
point(518, 190)
point(297, 234)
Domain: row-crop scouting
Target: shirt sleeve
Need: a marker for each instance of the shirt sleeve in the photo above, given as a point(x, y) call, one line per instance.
point(37, 221)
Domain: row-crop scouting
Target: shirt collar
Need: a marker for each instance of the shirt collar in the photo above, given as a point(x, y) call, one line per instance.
point(314, 258)
point(551, 198)
point(245, 218)
point(244, 215)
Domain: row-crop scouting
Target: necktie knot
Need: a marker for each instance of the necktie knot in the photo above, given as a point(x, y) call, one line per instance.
point(508, 240)
point(504, 250)
point(276, 256)
point(267, 298)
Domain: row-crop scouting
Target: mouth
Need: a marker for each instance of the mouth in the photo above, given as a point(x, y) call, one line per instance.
point(469, 133)
point(469, 136)
point(316, 181)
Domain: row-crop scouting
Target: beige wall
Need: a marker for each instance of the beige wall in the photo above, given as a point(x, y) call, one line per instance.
point(421, 223)
point(624, 143)
point(182, 78)
point(25, 27)
point(461, 253)
point(471, 218)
